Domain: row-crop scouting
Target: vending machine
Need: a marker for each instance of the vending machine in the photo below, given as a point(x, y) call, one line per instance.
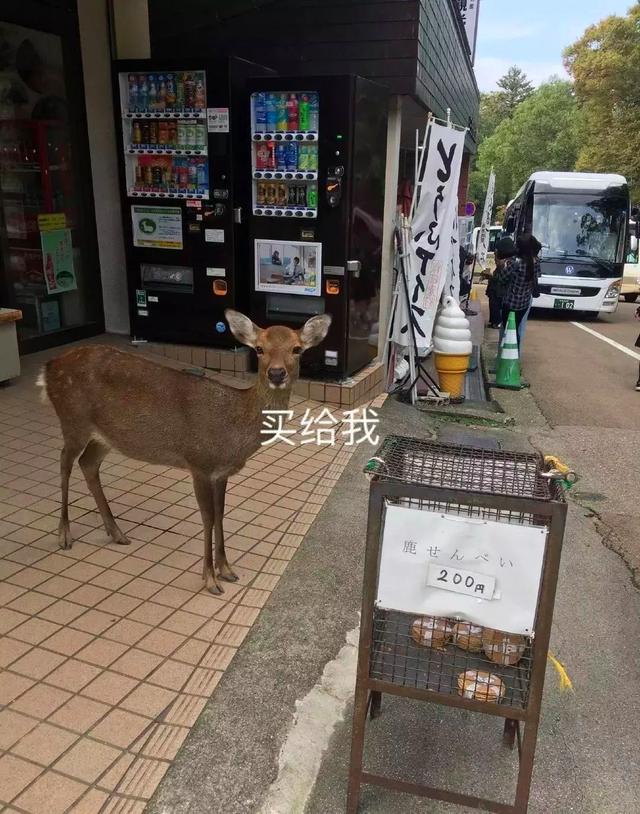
point(185, 238)
point(318, 150)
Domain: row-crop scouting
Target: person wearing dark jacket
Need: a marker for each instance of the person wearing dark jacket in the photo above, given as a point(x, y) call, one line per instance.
point(519, 278)
point(504, 249)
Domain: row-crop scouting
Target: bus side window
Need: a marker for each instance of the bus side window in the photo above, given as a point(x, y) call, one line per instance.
point(632, 249)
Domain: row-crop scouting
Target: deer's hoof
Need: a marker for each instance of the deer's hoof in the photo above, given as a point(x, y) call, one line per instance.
point(227, 574)
point(65, 540)
point(212, 585)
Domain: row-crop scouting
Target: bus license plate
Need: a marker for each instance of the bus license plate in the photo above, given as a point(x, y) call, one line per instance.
point(564, 304)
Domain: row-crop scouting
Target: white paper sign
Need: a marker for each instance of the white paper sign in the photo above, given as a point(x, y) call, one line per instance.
point(482, 571)
point(469, 13)
point(214, 235)
point(157, 227)
point(212, 271)
point(218, 119)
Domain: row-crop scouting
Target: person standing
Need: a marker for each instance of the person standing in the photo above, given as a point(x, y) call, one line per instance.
point(519, 277)
point(504, 249)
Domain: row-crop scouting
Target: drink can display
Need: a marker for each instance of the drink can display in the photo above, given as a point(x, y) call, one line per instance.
point(312, 156)
point(281, 157)
point(143, 93)
point(173, 134)
point(133, 92)
point(153, 92)
point(312, 196)
point(144, 127)
point(138, 182)
point(292, 196)
point(189, 92)
point(303, 157)
point(314, 112)
point(260, 112)
point(192, 137)
point(162, 93)
point(183, 175)
point(171, 91)
point(153, 133)
point(270, 194)
point(292, 156)
point(281, 111)
point(303, 111)
point(163, 133)
point(193, 174)
point(180, 91)
point(282, 195)
point(148, 175)
point(201, 136)
point(261, 193)
point(202, 175)
point(293, 122)
point(271, 112)
point(301, 195)
point(136, 133)
point(182, 135)
point(200, 100)
point(262, 155)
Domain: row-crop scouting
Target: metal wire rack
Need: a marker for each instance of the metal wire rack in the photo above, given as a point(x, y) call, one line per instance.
point(428, 463)
point(398, 659)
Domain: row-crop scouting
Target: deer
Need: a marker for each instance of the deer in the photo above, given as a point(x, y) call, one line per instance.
point(106, 398)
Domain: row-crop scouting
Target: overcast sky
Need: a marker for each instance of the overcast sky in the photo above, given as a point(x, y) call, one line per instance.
point(533, 34)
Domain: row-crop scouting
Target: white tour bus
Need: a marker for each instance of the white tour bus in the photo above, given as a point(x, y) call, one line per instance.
point(581, 220)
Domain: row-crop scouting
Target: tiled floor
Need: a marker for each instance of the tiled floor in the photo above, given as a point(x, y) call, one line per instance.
point(108, 654)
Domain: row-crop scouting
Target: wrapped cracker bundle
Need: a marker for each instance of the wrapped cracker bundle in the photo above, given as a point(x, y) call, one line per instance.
point(504, 648)
point(431, 631)
point(468, 636)
point(479, 685)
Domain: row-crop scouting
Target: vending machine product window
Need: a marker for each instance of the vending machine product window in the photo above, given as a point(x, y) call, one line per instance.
point(165, 134)
point(284, 133)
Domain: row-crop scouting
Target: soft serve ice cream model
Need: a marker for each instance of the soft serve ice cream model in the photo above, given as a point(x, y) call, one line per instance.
point(452, 347)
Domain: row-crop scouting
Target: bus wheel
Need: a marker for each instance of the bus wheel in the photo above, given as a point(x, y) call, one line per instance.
point(630, 297)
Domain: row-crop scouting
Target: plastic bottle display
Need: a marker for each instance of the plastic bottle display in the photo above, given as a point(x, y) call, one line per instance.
point(161, 93)
point(260, 112)
point(169, 174)
point(281, 112)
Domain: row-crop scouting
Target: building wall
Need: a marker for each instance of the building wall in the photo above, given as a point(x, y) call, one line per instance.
point(96, 60)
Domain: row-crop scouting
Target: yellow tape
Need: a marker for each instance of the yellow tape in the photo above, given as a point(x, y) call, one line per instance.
point(565, 682)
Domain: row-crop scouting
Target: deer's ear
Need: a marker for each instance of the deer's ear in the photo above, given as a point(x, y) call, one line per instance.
point(314, 331)
point(242, 328)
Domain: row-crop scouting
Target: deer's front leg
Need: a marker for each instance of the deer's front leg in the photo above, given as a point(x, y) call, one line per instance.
point(204, 495)
point(222, 565)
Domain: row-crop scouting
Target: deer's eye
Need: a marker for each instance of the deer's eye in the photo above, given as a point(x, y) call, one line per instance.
point(259, 350)
point(297, 350)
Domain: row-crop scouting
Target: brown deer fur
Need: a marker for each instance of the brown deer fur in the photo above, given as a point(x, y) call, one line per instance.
point(107, 399)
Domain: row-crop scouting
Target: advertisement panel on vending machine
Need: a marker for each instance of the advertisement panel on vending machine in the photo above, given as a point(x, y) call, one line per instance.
point(184, 239)
point(317, 167)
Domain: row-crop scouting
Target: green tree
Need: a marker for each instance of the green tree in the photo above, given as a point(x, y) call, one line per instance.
point(498, 105)
point(541, 134)
point(605, 66)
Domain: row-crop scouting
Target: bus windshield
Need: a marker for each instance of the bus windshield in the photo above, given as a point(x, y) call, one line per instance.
point(577, 226)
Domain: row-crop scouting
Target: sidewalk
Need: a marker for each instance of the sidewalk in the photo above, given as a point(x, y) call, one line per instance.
point(109, 654)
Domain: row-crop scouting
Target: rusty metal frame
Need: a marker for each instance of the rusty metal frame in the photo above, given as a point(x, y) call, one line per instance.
point(521, 725)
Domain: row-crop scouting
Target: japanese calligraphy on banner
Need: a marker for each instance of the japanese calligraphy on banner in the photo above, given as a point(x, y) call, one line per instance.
point(469, 14)
point(452, 287)
point(432, 235)
point(482, 571)
point(485, 225)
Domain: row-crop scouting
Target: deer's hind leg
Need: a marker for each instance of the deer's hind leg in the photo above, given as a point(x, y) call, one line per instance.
point(70, 451)
point(94, 454)
point(203, 489)
point(219, 492)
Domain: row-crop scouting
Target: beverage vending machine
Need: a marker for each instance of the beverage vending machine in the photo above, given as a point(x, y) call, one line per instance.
point(184, 235)
point(318, 150)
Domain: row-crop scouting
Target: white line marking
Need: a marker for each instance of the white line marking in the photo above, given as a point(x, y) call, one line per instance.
point(606, 339)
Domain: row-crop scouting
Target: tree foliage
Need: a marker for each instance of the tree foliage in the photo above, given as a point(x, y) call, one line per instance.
point(498, 105)
point(541, 134)
point(605, 66)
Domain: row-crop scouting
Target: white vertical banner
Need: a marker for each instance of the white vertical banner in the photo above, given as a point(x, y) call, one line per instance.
point(483, 237)
point(452, 287)
point(432, 235)
point(469, 13)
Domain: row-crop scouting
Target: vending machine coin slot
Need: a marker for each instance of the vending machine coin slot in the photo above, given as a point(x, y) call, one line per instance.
point(333, 187)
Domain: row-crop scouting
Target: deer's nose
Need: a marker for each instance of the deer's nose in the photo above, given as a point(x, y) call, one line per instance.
point(277, 375)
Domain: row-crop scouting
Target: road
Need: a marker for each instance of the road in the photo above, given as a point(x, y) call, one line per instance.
point(585, 389)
